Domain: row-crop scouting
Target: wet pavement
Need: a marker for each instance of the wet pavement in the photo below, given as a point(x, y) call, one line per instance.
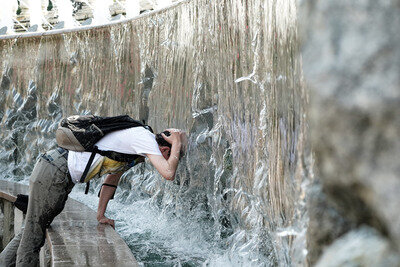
point(75, 238)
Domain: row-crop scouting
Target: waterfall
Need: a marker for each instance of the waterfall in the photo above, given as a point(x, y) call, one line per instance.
point(229, 74)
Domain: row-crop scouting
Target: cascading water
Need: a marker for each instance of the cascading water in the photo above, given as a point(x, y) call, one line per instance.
point(229, 74)
point(64, 10)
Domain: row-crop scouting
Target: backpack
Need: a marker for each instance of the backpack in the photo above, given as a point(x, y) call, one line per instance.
point(81, 133)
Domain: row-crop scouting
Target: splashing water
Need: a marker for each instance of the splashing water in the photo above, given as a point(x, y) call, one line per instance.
point(162, 3)
point(65, 9)
point(101, 11)
point(155, 236)
point(132, 8)
point(36, 13)
point(8, 14)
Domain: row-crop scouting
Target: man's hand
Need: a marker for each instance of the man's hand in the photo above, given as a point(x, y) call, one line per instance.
point(105, 220)
point(175, 137)
point(105, 195)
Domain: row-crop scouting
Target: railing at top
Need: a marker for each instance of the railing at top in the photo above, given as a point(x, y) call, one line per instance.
point(87, 27)
point(40, 16)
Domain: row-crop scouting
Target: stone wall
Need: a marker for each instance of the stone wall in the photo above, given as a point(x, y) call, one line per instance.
point(351, 61)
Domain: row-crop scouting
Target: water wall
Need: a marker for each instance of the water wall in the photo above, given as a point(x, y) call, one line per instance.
point(228, 73)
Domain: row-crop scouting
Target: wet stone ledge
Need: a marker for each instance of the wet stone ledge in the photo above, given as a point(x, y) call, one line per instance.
point(75, 238)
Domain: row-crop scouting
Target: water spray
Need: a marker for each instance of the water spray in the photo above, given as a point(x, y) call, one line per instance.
point(132, 8)
point(163, 3)
point(65, 11)
point(101, 12)
point(6, 15)
point(35, 14)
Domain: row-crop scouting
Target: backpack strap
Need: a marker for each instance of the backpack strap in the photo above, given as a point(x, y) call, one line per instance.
point(110, 154)
point(85, 172)
point(87, 187)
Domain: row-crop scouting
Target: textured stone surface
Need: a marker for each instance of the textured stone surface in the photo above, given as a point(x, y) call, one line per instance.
point(325, 222)
point(7, 224)
point(351, 60)
point(362, 247)
point(88, 245)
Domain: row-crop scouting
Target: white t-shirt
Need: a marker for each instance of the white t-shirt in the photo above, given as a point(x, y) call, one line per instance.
point(136, 140)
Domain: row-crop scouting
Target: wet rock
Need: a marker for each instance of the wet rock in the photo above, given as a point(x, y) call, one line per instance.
point(4, 87)
point(5, 81)
point(352, 64)
point(33, 28)
point(147, 86)
point(87, 22)
point(59, 25)
point(200, 147)
point(326, 223)
point(3, 30)
point(361, 247)
point(117, 17)
point(28, 108)
point(54, 104)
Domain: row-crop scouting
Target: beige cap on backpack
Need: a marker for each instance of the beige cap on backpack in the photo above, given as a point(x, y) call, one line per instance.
point(66, 139)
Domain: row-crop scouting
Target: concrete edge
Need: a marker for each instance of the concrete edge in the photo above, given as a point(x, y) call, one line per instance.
point(7, 197)
point(76, 233)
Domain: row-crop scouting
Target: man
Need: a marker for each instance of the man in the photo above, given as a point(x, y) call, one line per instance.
point(57, 171)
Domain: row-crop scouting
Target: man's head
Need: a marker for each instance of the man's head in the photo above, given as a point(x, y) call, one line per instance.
point(164, 146)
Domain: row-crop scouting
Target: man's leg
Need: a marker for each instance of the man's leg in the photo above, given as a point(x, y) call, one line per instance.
point(9, 254)
point(49, 187)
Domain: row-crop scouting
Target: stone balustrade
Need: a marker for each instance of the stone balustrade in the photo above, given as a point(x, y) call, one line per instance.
point(75, 238)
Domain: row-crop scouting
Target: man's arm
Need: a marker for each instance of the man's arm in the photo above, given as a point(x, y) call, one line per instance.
point(105, 195)
point(167, 168)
